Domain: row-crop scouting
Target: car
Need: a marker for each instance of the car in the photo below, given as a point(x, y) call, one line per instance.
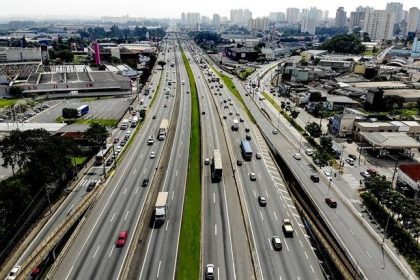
point(154, 117)
point(207, 161)
point(152, 155)
point(365, 174)
point(258, 155)
point(35, 272)
point(297, 156)
point(331, 202)
point(225, 106)
point(145, 182)
point(262, 200)
point(252, 176)
point(350, 161)
point(309, 151)
point(13, 273)
point(116, 140)
point(164, 106)
point(237, 114)
point(230, 113)
point(231, 103)
point(151, 140)
point(109, 161)
point(203, 112)
point(91, 186)
point(372, 171)
point(328, 174)
point(122, 143)
point(122, 237)
point(239, 162)
point(276, 242)
point(209, 272)
point(241, 120)
point(246, 129)
point(275, 131)
point(315, 178)
point(349, 140)
point(248, 137)
point(229, 99)
point(224, 117)
point(353, 157)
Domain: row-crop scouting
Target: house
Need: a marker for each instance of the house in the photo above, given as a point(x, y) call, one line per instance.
point(409, 174)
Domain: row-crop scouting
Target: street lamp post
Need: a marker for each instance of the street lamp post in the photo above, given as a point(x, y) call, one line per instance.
point(329, 186)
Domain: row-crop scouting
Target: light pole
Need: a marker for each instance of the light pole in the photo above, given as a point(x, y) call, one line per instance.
point(329, 186)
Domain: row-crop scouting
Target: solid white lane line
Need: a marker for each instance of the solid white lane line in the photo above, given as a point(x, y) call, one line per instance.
point(275, 216)
point(173, 193)
point(167, 224)
point(301, 244)
point(176, 175)
point(306, 255)
point(112, 218)
point(262, 218)
point(215, 229)
point(110, 253)
point(126, 215)
point(313, 271)
point(157, 275)
point(214, 198)
point(125, 190)
point(137, 189)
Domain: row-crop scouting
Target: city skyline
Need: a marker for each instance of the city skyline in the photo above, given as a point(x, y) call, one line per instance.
point(132, 8)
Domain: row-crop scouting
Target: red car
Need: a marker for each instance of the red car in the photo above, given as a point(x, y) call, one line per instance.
point(116, 140)
point(372, 171)
point(121, 239)
point(35, 272)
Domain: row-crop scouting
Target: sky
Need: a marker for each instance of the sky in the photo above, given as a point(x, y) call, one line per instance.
point(174, 8)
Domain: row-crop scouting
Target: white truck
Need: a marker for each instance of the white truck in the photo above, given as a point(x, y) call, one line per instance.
point(235, 125)
point(124, 125)
point(134, 121)
point(161, 207)
point(163, 129)
point(216, 167)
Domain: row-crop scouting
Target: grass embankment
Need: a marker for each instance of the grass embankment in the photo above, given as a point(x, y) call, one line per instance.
point(244, 73)
point(231, 86)
point(157, 89)
point(7, 102)
point(104, 122)
point(188, 264)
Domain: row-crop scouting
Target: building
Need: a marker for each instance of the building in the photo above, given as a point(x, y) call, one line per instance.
point(217, 20)
point(193, 19)
point(379, 24)
point(340, 17)
point(205, 20)
point(415, 51)
point(326, 15)
point(357, 18)
point(396, 9)
point(409, 175)
point(310, 19)
point(240, 16)
point(258, 24)
point(241, 54)
point(183, 18)
point(413, 20)
point(277, 16)
point(11, 54)
point(292, 15)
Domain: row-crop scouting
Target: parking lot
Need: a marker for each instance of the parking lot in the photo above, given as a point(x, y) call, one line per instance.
point(98, 109)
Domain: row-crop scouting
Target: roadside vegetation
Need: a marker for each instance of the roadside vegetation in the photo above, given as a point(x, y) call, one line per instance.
point(386, 203)
point(231, 86)
point(188, 263)
point(7, 102)
point(245, 72)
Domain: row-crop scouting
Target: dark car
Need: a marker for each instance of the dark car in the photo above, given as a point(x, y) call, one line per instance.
point(145, 182)
point(91, 186)
point(331, 202)
point(248, 137)
point(246, 129)
point(239, 162)
point(315, 178)
point(109, 161)
point(276, 242)
point(262, 200)
point(353, 157)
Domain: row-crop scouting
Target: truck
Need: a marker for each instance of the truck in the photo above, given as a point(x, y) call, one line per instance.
point(124, 125)
point(161, 207)
point(82, 110)
point(235, 125)
point(134, 121)
point(163, 129)
point(216, 167)
point(288, 228)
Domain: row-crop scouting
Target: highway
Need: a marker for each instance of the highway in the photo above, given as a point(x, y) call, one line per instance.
point(93, 254)
point(223, 231)
point(297, 260)
point(364, 250)
point(162, 245)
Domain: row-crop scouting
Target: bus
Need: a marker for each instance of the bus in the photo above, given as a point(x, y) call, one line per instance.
point(246, 150)
point(103, 154)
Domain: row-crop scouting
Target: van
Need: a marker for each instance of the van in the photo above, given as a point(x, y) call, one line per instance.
point(183, 82)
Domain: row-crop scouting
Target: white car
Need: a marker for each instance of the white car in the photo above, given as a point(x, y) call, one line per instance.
point(252, 176)
point(150, 140)
point(152, 155)
point(118, 149)
point(258, 155)
point(207, 161)
point(210, 272)
point(297, 156)
point(309, 151)
point(13, 273)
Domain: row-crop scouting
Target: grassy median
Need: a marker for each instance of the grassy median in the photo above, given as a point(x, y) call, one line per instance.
point(231, 86)
point(188, 263)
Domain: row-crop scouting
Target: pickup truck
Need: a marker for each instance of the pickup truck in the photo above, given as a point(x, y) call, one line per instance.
point(288, 228)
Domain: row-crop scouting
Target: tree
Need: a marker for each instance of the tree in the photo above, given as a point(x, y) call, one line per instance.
point(96, 134)
point(161, 63)
point(378, 186)
point(326, 143)
point(69, 113)
point(316, 97)
point(16, 91)
point(314, 129)
point(347, 43)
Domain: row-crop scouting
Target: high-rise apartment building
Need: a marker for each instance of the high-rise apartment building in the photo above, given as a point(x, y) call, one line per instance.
point(379, 24)
point(396, 9)
point(205, 19)
point(310, 19)
point(326, 15)
point(277, 16)
point(184, 18)
point(357, 18)
point(413, 20)
point(340, 17)
point(217, 19)
point(240, 16)
point(258, 24)
point(292, 15)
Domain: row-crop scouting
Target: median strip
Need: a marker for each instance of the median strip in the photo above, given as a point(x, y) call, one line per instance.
point(188, 263)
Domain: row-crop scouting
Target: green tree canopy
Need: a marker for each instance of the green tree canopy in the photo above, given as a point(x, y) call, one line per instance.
point(347, 43)
point(96, 134)
point(314, 129)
